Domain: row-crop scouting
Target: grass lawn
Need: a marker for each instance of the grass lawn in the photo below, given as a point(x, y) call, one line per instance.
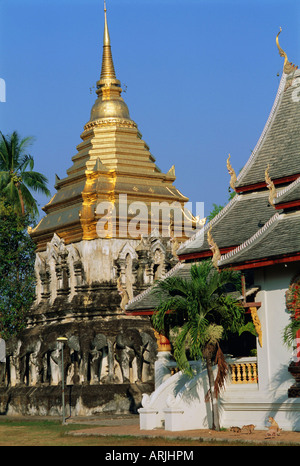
point(53, 433)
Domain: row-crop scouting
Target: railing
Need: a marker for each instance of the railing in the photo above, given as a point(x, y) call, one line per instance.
point(173, 368)
point(243, 370)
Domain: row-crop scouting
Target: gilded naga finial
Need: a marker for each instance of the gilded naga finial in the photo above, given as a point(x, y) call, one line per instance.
point(257, 324)
point(270, 186)
point(214, 249)
point(288, 67)
point(231, 173)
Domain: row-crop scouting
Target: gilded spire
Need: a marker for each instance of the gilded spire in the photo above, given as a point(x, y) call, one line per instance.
point(108, 70)
point(288, 67)
point(106, 39)
point(109, 103)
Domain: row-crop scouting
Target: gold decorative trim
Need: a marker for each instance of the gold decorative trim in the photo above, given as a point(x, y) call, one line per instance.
point(110, 122)
point(163, 344)
point(256, 323)
point(232, 174)
point(288, 67)
point(214, 248)
point(123, 293)
point(270, 186)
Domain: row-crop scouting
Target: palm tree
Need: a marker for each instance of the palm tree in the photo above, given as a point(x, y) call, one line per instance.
point(202, 311)
point(17, 177)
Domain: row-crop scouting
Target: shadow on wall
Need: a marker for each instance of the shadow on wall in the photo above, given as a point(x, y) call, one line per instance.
point(279, 382)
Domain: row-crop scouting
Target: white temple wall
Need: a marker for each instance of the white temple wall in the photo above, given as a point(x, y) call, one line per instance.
point(273, 357)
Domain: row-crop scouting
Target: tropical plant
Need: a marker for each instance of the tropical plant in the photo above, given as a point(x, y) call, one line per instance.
point(292, 298)
point(203, 312)
point(17, 177)
point(17, 278)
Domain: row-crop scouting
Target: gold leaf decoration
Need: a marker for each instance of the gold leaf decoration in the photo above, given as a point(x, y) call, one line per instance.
point(214, 248)
point(288, 67)
point(270, 186)
point(231, 173)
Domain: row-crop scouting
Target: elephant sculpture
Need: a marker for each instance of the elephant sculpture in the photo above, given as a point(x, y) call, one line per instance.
point(88, 358)
point(73, 360)
point(50, 356)
point(129, 350)
point(30, 362)
point(13, 346)
point(149, 351)
point(99, 360)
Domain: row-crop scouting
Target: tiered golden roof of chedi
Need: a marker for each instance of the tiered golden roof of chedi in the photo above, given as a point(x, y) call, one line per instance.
point(112, 160)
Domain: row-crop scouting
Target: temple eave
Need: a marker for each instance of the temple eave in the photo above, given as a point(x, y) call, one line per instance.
point(262, 185)
point(265, 262)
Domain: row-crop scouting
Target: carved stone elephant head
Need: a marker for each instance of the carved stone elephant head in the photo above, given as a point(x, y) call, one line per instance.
point(129, 347)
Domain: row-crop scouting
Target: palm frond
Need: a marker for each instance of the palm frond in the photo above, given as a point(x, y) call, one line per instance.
point(200, 303)
point(24, 162)
point(221, 373)
point(180, 349)
point(36, 181)
point(4, 152)
point(15, 160)
point(29, 201)
point(10, 193)
point(4, 179)
point(290, 331)
point(25, 143)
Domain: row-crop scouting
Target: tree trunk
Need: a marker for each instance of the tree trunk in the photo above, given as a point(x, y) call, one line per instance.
point(21, 199)
point(214, 401)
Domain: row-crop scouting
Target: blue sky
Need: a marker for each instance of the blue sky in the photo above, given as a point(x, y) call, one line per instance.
point(200, 77)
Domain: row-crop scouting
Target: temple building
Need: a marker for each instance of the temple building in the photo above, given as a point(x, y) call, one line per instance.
point(103, 240)
point(258, 233)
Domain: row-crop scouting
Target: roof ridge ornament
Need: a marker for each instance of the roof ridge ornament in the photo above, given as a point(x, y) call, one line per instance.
point(232, 174)
point(270, 186)
point(288, 67)
point(214, 249)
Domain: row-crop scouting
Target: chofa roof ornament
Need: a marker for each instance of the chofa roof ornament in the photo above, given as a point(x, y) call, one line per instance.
point(270, 186)
point(214, 249)
point(231, 173)
point(288, 67)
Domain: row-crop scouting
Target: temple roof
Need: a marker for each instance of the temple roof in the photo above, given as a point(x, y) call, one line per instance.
point(290, 194)
point(238, 220)
point(278, 239)
point(273, 164)
point(261, 224)
point(279, 142)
